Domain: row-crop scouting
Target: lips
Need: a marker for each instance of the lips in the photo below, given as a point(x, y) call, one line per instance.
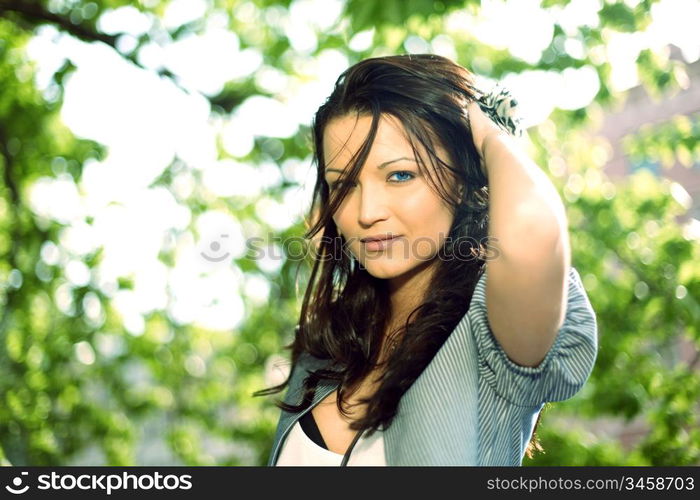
point(378, 243)
point(379, 237)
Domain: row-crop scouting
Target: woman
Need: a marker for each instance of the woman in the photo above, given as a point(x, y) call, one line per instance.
point(440, 344)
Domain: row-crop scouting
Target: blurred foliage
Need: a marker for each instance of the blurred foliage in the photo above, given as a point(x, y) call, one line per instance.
point(676, 140)
point(79, 388)
point(364, 15)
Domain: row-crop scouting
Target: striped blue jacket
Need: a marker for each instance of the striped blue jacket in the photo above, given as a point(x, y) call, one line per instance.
point(472, 405)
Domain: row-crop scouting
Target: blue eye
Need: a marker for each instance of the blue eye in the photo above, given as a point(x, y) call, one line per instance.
point(404, 172)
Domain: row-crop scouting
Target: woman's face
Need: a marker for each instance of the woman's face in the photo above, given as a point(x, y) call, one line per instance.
point(390, 197)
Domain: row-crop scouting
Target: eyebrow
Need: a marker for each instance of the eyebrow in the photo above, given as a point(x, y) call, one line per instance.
point(379, 167)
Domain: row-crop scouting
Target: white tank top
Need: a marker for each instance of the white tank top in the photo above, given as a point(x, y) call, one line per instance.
point(299, 449)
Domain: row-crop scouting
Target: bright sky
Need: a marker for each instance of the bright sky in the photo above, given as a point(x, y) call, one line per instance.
point(146, 121)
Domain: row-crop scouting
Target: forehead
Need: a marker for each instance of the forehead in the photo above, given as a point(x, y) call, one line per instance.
point(343, 138)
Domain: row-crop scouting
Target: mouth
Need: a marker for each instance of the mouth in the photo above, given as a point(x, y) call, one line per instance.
point(377, 244)
point(379, 238)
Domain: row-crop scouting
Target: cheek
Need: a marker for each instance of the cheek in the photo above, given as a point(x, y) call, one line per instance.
point(425, 208)
point(338, 219)
point(342, 223)
point(433, 220)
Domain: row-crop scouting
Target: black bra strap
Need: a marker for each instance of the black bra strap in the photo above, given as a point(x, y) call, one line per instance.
point(308, 425)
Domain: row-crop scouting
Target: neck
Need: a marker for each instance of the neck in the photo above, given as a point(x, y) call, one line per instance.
point(408, 291)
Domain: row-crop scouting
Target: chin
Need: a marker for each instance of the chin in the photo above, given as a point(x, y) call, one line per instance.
point(385, 268)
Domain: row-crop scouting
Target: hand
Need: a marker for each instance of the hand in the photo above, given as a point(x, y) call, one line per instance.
point(482, 127)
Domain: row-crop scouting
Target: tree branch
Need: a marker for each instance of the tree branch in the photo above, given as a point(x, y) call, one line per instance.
point(34, 11)
point(34, 14)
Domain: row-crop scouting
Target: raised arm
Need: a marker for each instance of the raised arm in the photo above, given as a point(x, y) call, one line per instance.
point(526, 287)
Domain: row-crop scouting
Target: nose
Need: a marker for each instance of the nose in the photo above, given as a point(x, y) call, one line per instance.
point(373, 206)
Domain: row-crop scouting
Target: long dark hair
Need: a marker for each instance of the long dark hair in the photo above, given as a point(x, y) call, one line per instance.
point(345, 310)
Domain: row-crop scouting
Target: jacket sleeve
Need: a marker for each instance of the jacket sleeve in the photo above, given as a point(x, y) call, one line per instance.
point(565, 368)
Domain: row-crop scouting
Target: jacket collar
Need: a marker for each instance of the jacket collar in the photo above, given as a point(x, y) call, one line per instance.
point(305, 365)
